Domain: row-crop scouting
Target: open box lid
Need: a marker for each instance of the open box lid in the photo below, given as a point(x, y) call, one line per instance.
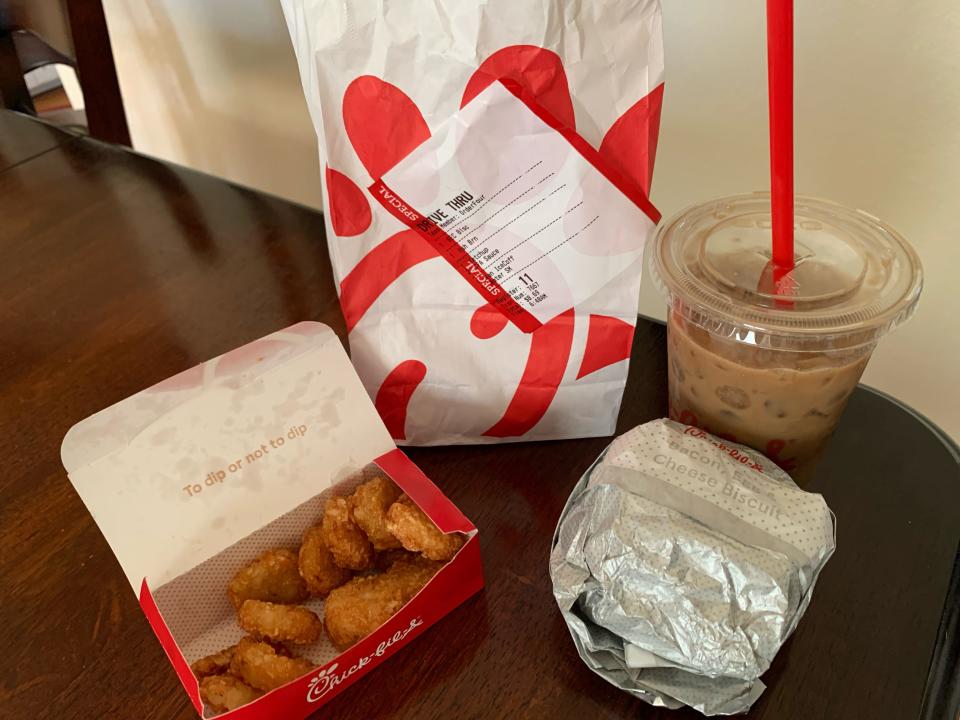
point(184, 469)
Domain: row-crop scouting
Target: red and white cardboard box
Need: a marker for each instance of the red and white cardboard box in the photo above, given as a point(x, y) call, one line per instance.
point(194, 477)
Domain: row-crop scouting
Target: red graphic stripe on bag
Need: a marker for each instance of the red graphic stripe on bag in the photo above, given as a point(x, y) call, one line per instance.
point(624, 184)
point(454, 254)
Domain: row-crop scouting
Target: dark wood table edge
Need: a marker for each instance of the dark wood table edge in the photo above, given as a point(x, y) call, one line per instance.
point(941, 694)
point(70, 136)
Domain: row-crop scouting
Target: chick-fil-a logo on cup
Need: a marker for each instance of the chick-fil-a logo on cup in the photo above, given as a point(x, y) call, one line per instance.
point(328, 678)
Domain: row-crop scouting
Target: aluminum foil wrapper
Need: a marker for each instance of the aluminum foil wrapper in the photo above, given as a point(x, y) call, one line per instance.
point(681, 564)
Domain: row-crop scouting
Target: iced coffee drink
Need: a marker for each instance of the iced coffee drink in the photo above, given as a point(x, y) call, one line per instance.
point(773, 367)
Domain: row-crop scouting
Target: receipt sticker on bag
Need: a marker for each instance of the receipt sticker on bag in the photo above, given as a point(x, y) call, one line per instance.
point(521, 206)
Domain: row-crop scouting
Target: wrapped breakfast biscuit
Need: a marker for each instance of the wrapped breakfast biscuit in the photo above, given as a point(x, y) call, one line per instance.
point(682, 563)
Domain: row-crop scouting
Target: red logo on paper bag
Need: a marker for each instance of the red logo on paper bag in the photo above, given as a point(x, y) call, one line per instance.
point(384, 125)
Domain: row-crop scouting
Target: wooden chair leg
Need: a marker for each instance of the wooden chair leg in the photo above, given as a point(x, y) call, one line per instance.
point(14, 94)
point(98, 75)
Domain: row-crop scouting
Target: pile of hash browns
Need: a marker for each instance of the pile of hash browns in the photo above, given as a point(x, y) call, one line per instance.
point(371, 552)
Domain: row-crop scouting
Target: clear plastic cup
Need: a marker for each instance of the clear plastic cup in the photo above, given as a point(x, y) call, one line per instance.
point(767, 369)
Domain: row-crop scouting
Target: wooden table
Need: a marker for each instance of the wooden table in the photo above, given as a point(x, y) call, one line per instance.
point(120, 271)
point(23, 138)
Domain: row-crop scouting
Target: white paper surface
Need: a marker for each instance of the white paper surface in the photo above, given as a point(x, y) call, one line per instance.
point(181, 471)
point(379, 79)
point(726, 487)
point(535, 217)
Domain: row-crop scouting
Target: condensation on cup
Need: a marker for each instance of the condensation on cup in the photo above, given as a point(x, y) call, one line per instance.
point(773, 368)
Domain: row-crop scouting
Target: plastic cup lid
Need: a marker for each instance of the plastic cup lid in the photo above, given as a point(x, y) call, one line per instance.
point(855, 278)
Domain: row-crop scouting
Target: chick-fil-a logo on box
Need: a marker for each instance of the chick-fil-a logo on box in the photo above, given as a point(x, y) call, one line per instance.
point(328, 678)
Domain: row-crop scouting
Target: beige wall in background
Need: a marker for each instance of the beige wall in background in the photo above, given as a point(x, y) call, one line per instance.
point(214, 85)
point(878, 128)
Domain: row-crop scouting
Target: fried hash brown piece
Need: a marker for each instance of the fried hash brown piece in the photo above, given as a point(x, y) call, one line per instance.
point(226, 692)
point(346, 541)
point(369, 503)
point(280, 623)
point(274, 577)
point(215, 664)
point(259, 665)
point(317, 567)
point(354, 610)
point(418, 533)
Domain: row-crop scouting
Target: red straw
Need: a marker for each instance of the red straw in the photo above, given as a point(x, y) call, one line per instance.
point(780, 89)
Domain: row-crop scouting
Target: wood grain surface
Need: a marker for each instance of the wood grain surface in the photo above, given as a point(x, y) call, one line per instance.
point(120, 271)
point(23, 137)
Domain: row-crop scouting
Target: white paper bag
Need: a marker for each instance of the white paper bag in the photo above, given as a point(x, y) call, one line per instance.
point(444, 360)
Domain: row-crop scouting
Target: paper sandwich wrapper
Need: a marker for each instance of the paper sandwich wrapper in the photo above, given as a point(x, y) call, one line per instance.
point(193, 478)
